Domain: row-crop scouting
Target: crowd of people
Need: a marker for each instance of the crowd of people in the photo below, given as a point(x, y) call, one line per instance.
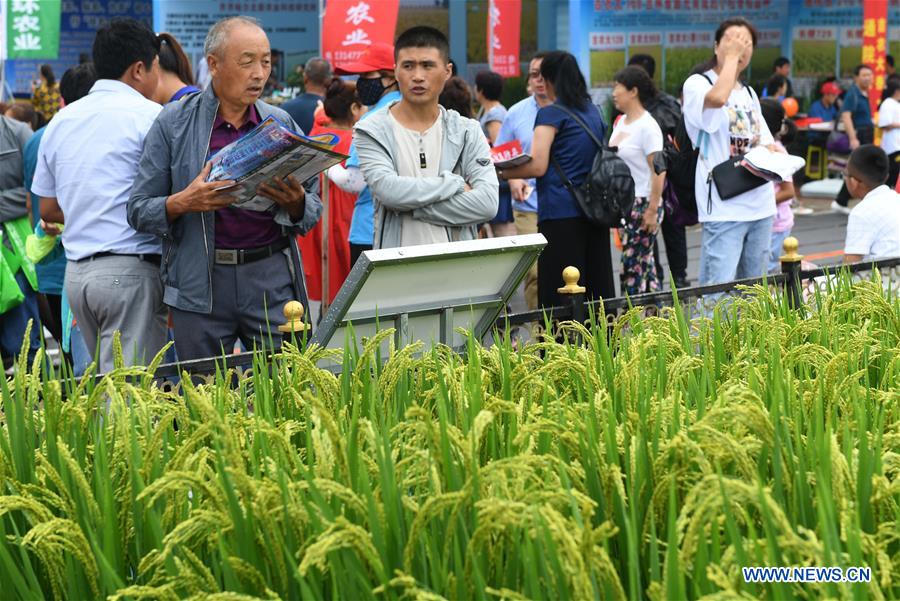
point(148, 250)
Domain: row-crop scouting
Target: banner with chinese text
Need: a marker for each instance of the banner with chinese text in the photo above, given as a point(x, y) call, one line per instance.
point(874, 45)
point(504, 20)
point(820, 37)
point(32, 28)
point(351, 26)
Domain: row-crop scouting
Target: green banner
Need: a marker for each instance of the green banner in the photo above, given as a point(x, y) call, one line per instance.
point(32, 28)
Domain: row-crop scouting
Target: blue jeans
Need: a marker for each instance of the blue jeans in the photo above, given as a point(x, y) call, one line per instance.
point(81, 356)
point(777, 250)
point(14, 322)
point(734, 250)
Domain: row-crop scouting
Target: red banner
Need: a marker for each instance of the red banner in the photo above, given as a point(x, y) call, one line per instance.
point(351, 26)
point(874, 48)
point(504, 19)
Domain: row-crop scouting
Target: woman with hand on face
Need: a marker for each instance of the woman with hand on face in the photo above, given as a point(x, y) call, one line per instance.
point(639, 139)
point(724, 120)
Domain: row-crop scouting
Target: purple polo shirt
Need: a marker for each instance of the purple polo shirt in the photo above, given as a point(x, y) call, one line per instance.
point(239, 228)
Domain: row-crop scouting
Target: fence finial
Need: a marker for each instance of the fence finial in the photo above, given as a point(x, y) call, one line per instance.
point(791, 263)
point(293, 312)
point(570, 276)
point(790, 246)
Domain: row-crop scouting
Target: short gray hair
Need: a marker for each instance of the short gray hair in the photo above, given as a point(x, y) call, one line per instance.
point(318, 71)
point(217, 34)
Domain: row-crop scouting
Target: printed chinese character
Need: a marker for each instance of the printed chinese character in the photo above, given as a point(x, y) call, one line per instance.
point(358, 14)
point(25, 6)
point(26, 23)
point(882, 25)
point(868, 54)
point(357, 36)
point(869, 28)
point(26, 41)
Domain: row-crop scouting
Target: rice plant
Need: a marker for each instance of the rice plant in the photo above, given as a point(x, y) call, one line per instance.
point(653, 461)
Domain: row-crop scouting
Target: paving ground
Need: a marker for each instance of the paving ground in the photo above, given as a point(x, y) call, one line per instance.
point(821, 236)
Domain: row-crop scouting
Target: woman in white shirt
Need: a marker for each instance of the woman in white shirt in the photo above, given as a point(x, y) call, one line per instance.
point(639, 139)
point(724, 120)
point(889, 122)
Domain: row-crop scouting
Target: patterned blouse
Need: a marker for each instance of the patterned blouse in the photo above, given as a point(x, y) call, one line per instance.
point(46, 100)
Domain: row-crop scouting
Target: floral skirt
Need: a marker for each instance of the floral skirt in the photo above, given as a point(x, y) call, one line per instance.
point(639, 273)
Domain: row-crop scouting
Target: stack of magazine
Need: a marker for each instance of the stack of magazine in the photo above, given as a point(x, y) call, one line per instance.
point(272, 150)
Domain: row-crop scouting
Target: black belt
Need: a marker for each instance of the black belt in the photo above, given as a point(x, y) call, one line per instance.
point(240, 256)
point(150, 258)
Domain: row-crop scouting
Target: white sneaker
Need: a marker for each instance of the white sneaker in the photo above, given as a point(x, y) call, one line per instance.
point(839, 208)
point(801, 210)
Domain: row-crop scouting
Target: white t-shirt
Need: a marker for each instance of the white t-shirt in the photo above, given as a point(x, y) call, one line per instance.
point(873, 228)
point(888, 114)
point(411, 145)
point(729, 131)
point(636, 141)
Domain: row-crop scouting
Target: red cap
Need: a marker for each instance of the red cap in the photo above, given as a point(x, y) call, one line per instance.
point(829, 87)
point(377, 57)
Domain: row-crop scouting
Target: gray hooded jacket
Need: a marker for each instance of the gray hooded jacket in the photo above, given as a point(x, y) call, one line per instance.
point(440, 200)
point(174, 153)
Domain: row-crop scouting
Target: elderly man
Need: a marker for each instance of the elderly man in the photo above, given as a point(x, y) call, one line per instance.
point(227, 272)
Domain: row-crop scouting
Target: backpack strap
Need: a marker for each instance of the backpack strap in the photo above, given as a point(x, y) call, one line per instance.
point(567, 183)
point(580, 122)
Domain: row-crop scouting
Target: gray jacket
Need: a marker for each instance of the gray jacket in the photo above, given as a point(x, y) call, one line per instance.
point(440, 200)
point(174, 153)
point(13, 136)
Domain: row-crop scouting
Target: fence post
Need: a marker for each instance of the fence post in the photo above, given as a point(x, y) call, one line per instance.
point(295, 328)
point(574, 294)
point(790, 266)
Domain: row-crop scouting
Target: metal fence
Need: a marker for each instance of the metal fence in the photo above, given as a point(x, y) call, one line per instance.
point(793, 281)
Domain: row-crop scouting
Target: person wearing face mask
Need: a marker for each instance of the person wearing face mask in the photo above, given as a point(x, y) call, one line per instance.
point(376, 88)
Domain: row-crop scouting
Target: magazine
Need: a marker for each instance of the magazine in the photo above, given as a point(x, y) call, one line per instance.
point(271, 150)
point(509, 155)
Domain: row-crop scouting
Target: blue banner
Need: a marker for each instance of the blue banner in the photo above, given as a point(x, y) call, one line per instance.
point(820, 36)
point(79, 22)
point(292, 25)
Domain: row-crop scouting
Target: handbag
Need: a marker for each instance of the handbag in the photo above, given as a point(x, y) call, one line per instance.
point(733, 179)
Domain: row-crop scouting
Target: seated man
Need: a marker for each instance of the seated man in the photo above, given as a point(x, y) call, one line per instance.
point(873, 228)
point(429, 169)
